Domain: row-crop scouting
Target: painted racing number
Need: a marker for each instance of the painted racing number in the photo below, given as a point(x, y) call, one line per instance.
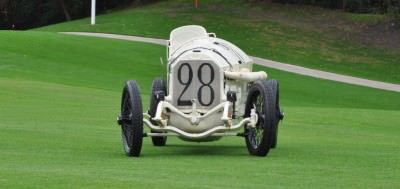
point(205, 77)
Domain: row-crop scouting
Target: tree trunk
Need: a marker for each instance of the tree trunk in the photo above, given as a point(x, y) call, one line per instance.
point(344, 5)
point(65, 10)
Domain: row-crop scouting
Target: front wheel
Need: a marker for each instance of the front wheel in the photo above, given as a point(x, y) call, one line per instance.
point(260, 138)
point(131, 119)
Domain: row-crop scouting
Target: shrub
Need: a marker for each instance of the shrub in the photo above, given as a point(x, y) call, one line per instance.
point(394, 12)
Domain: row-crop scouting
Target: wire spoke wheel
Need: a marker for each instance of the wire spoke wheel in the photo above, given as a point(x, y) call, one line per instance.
point(257, 132)
point(132, 119)
point(126, 126)
point(259, 138)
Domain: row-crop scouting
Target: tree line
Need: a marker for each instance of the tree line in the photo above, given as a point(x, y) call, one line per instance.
point(24, 14)
point(391, 7)
point(360, 6)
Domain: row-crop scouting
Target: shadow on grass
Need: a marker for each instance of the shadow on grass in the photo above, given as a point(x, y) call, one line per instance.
point(174, 150)
point(199, 150)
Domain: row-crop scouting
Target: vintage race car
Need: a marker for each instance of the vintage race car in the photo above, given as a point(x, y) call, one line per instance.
point(210, 92)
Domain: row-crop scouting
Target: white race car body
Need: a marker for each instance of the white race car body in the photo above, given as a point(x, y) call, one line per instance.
point(202, 69)
point(210, 91)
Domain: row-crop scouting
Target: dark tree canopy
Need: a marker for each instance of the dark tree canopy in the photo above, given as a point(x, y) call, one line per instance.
point(362, 6)
point(391, 7)
point(24, 14)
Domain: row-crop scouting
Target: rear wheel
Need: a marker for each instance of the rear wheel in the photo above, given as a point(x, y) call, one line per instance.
point(157, 88)
point(259, 139)
point(131, 119)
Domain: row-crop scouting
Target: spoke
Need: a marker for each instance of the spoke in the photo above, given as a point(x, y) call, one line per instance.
point(126, 106)
point(250, 136)
point(124, 131)
point(259, 135)
point(258, 104)
point(127, 115)
point(256, 134)
point(253, 139)
point(261, 120)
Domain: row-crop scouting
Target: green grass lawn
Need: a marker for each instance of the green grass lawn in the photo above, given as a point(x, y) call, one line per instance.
point(60, 95)
point(305, 36)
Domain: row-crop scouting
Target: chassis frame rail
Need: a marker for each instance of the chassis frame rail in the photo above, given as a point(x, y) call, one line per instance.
point(215, 131)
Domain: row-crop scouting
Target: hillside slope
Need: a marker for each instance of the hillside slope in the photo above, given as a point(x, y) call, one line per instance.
point(352, 44)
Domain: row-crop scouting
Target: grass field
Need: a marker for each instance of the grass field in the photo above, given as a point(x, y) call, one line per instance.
point(306, 36)
point(59, 97)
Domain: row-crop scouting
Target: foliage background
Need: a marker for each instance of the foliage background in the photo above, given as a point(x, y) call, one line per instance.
point(24, 14)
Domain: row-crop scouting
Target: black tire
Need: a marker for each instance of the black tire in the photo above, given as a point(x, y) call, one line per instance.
point(259, 139)
point(131, 113)
point(274, 84)
point(157, 86)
